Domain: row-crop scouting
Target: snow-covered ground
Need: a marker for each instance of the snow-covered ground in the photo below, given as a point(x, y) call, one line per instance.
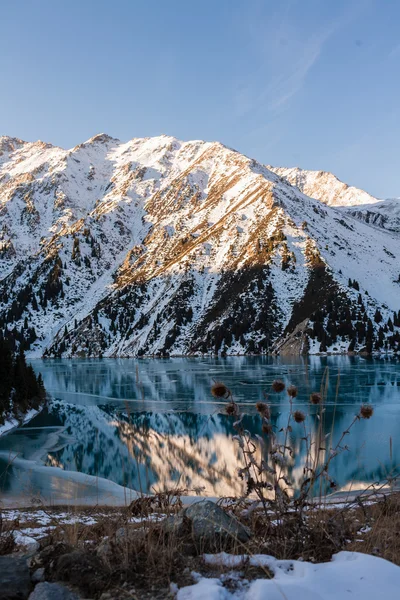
point(348, 575)
point(12, 423)
point(43, 521)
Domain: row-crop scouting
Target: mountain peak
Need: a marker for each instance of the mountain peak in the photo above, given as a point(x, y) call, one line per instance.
point(9, 144)
point(101, 138)
point(324, 186)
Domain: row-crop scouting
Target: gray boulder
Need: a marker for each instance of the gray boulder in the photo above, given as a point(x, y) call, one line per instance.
point(38, 575)
point(130, 533)
point(15, 581)
point(82, 570)
point(52, 591)
point(209, 527)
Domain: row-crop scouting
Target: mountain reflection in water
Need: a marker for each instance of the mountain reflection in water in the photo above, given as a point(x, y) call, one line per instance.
point(153, 424)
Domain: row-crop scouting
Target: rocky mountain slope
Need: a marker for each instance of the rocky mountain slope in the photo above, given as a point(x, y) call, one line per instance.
point(331, 191)
point(158, 246)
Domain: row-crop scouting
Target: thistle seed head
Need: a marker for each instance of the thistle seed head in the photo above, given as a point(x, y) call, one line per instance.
point(299, 416)
point(316, 398)
point(366, 411)
point(263, 409)
point(232, 409)
point(292, 391)
point(219, 390)
point(278, 385)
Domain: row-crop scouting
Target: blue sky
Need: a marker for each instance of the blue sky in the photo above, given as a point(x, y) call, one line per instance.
point(310, 83)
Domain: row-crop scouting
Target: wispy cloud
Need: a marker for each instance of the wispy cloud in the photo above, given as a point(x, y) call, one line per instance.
point(394, 52)
point(284, 55)
point(283, 86)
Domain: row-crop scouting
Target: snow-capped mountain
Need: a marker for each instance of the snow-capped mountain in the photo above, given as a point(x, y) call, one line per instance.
point(384, 213)
point(330, 190)
point(324, 186)
point(158, 246)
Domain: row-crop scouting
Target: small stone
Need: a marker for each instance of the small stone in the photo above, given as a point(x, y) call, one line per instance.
point(131, 533)
point(176, 524)
point(123, 536)
point(15, 581)
point(103, 549)
point(52, 591)
point(121, 533)
point(212, 525)
point(209, 526)
point(38, 575)
point(28, 543)
point(51, 553)
point(82, 570)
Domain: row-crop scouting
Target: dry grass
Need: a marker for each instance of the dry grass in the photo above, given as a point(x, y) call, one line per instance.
point(133, 557)
point(371, 528)
point(378, 529)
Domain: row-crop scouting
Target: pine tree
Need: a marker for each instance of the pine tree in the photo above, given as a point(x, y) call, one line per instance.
point(352, 345)
point(369, 337)
point(76, 252)
point(6, 378)
point(34, 303)
point(20, 389)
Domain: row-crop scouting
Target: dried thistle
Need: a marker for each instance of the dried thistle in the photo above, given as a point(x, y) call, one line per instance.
point(232, 409)
point(263, 409)
point(366, 411)
point(278, 385)
point(292, 391)
point(267, 428)
point(316, 398)
point(299, 416)
point(219, 390)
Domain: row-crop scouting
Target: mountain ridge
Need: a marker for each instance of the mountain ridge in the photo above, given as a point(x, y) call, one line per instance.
point(158, 246)
point(329, 189)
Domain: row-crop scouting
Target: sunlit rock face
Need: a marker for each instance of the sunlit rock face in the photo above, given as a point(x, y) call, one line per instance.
point(162, 247)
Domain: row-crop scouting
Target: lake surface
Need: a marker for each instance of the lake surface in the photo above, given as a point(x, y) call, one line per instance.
point(153, 424)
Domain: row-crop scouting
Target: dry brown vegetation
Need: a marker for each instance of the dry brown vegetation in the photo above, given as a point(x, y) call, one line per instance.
point(379, 533)
point(127, 551)
point(122, 554)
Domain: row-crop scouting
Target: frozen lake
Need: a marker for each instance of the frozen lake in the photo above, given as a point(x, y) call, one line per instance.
point(153, 424)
